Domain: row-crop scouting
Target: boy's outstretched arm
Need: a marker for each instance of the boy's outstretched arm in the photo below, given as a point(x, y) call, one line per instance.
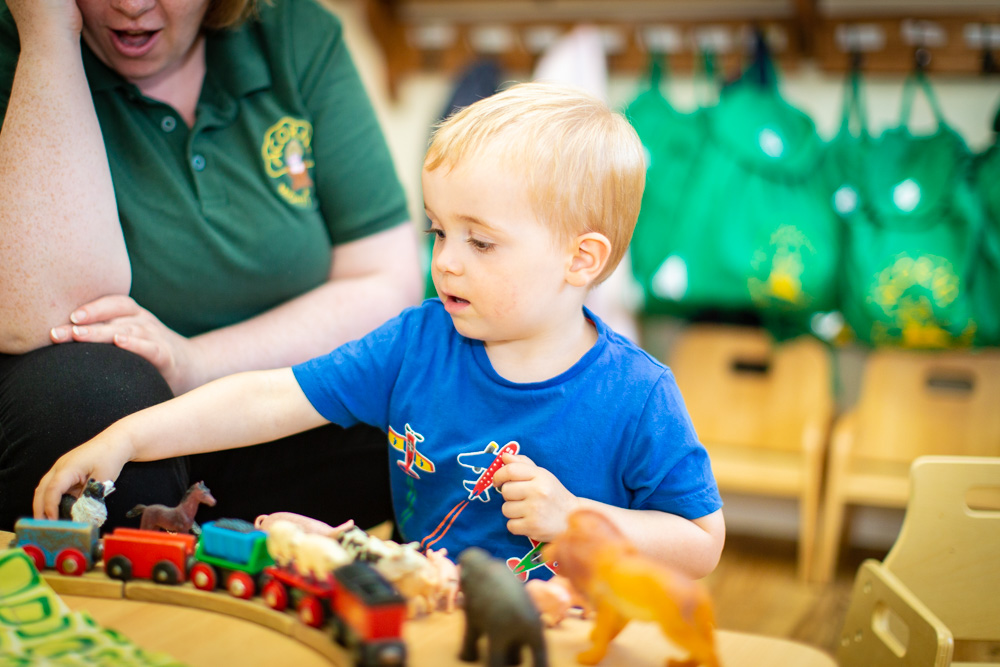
point(537, 505)
point(233, 411)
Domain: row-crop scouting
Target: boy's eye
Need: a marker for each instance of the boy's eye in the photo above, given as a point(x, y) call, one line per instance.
point(435, 232)
point(481, 246)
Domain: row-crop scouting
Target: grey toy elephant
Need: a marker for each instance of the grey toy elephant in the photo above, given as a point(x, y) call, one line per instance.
point(497, 605)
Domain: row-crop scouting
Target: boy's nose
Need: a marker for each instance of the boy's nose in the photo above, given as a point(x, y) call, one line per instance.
point(133, 8)
point(446, 260)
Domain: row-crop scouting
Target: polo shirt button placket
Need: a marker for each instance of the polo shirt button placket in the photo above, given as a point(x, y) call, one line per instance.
point(168, 124)
point(198, 162)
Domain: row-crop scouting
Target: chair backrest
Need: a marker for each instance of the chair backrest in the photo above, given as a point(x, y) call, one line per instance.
point(948, 551)
point(743, 389)
point(916, 403)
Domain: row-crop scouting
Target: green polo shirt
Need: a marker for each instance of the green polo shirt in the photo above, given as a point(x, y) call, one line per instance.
point(286, 159)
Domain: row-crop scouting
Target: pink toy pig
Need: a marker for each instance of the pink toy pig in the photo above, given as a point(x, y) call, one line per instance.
point(307, 524)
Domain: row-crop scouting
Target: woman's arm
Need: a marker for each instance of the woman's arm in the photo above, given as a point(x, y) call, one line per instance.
point(236, 411)
point(371, 280)
point(61, 242)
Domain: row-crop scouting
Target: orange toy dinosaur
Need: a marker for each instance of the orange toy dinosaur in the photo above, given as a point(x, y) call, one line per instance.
point(622, 584)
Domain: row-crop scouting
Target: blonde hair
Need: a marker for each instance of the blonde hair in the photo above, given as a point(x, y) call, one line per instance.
point(583, 164)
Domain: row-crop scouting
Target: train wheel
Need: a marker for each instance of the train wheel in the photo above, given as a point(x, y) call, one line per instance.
point(71, 562)
point(337, 630)
point(311, 611)
point(241, 585)
point(36, 555)
point(275, 595)
point(166, 572)
point(203, 577)
point(119, 567)
point(379, 654)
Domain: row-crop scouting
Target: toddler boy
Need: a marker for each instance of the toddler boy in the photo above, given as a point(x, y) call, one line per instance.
point(507, 404)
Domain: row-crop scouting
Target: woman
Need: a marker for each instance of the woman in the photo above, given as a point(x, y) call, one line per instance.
point(201, 189)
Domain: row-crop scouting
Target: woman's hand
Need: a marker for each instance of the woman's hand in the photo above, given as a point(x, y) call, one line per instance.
point(121, 321)
point(45, 19)
point(101, 458)
point(536, 504)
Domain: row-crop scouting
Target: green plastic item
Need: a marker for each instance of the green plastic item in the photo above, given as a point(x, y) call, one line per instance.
point(672, 140)
point(911, 242)
point(985, 287)
point(756, 232)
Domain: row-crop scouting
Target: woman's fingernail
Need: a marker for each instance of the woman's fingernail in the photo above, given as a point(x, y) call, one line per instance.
point(80, 331)
point(56, 334)
point(77, 316)
point(121, 340)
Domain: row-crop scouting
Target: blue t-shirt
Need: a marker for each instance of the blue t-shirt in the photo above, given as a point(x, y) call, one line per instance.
point(612, 428)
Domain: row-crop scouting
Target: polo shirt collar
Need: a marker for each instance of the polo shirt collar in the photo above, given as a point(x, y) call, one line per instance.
point(234, 60)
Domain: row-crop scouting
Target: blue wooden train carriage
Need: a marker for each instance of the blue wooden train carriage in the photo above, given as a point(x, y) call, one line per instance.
point(71, 547)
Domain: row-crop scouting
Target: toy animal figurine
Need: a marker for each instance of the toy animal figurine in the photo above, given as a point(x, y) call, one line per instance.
point(413, 575)
point(308, 524)
point(178, 519)
point(283, 539)
point(447, 579)
point(317, 556)
point(552, 600)
point(621, 584)
point(497, 605)
point(89, 507)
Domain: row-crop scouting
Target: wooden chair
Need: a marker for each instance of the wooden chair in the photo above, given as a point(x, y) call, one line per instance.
point(911, 404)
point(936, 596)
point(763, 411)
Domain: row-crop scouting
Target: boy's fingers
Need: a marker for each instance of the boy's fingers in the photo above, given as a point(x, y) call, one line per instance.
point(48, 494)
point(513, 491)
point(516, 458)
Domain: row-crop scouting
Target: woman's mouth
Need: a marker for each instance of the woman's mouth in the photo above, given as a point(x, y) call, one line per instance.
point(134, 43)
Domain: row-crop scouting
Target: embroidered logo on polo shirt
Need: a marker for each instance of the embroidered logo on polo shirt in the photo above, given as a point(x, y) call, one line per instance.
point(287, 152)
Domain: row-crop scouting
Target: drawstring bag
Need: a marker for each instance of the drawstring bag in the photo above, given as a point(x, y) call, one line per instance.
point(911, 242)
point(755, 230)
point(672, 140)
point(847, 151)
point(843, 165)
point(985, 287)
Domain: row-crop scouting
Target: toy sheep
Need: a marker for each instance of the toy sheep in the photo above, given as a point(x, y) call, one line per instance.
point(318, 556)
point(413, 575)
point(282, 541)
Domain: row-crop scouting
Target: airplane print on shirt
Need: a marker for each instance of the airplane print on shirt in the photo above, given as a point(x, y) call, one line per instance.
point(484, 464)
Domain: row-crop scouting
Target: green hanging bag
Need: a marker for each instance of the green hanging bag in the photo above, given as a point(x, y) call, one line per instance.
point(846, 153)
point(756, 231)
point(910, 244)
point(672, 140)
point(985, 287)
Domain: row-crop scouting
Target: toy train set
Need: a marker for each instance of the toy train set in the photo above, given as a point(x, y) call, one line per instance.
point(358, 589)
point(364, 611)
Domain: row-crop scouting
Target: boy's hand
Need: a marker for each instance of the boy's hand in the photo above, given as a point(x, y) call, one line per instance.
point(101, 458)
point(536, 503)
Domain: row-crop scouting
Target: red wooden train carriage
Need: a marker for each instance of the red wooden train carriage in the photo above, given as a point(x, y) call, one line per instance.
point(148, 554)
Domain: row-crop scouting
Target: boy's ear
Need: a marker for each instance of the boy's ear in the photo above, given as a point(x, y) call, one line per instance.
point(590, 253)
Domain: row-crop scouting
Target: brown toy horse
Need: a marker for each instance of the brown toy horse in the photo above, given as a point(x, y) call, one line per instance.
point(622, 584)
point(178, 519)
